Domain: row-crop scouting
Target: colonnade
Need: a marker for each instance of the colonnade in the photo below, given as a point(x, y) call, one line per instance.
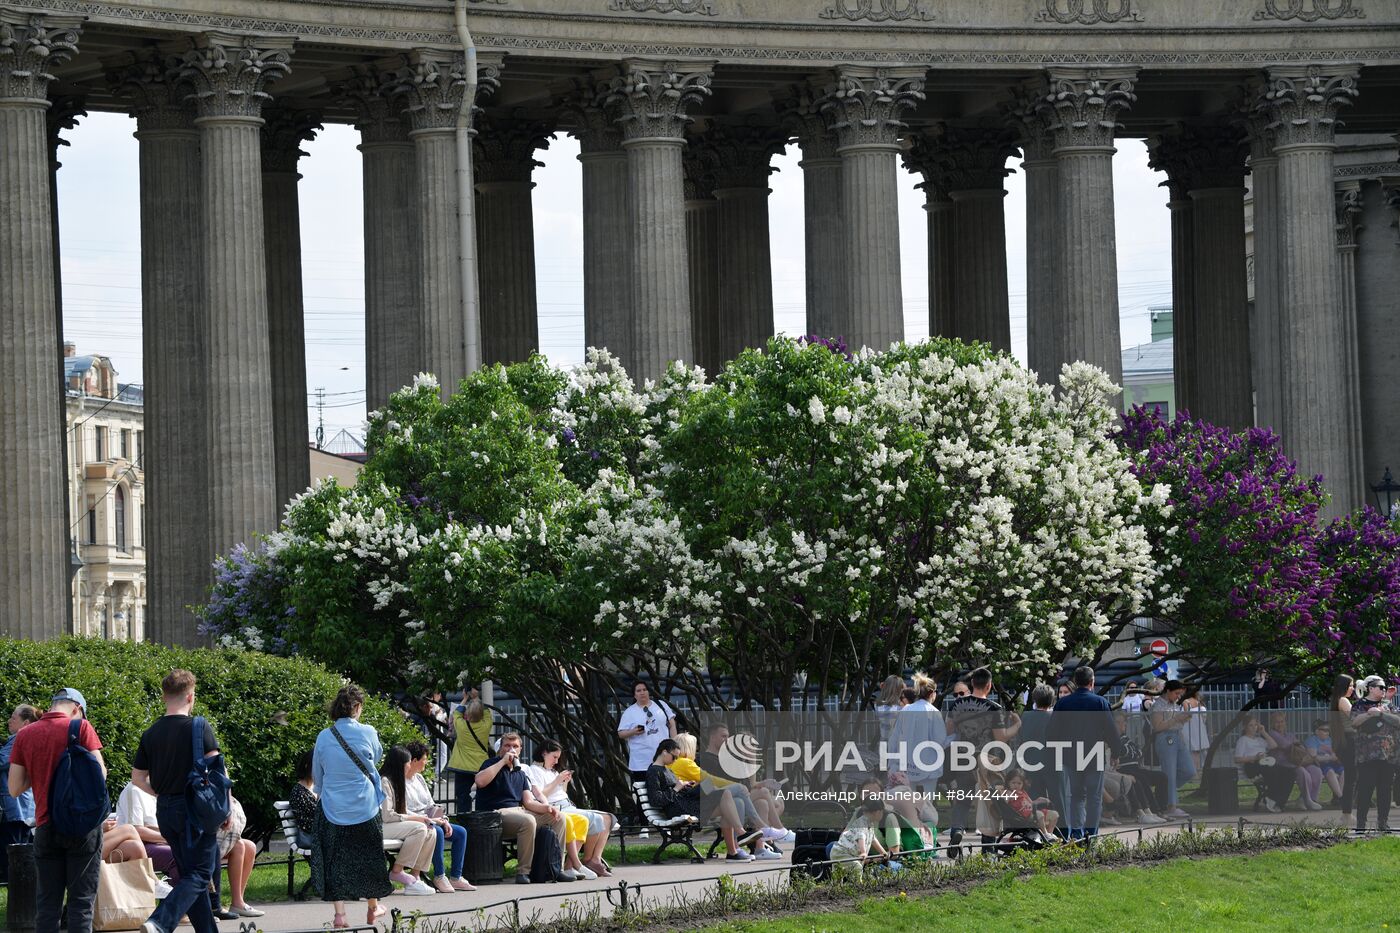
point(676, 259)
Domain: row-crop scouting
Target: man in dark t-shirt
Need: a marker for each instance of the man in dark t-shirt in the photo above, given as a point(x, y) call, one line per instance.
point(503, 786)
point(161, 767)
point(976, 719)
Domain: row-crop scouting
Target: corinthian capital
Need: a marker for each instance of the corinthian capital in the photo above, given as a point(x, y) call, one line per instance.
point(966, 159)
point(1300, 102)
point(651, 98)
point(1198, 156)
point(1080, 106)
point(1023, 113)
point(63, 115)
point(922, 157)
point(151, 81)
point(379, 112)
point(229, 73)
point(433, 83)
point(1349, 211)
point(801, 112)
point(864, 104)
point(284, 130)
point(590, 121)
point(739, 156)
point(504, 148)
point(30, 45)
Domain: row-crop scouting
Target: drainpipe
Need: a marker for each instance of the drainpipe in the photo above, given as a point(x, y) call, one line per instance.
point(466, 197)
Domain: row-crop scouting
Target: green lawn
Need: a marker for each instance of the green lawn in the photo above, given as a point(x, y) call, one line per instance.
point(1350, 886)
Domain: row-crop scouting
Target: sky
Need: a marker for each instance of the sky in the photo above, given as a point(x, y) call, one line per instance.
point(99, 230)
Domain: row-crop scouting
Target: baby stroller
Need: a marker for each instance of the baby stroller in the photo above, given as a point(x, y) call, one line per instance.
point(1015, 830)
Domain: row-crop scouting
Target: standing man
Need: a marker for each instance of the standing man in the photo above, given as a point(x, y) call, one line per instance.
point(502, 785)
point(65, 864)
point(16, 813)
point(1083, 719)
point(164, 759)
point(643, 725)
point(976, 719)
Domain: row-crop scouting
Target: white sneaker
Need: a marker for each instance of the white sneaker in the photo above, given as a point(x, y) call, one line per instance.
point(1314, 805)
point(149, 927)
point(418, 888)
point(586, 873)
point(1148, 818)
point(1176, 813)
point(764, 855)
point(162, 890)
point(787, 836)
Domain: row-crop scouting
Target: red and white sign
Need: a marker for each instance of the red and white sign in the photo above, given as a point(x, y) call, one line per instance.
point(1158, 647)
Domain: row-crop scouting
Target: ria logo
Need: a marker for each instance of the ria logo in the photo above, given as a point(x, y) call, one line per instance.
point(740, 756)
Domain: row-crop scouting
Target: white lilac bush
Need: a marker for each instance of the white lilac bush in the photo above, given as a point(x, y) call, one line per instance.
point(808, 515)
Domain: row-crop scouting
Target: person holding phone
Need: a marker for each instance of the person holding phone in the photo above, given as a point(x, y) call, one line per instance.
point(585, 831)
point(643, 725)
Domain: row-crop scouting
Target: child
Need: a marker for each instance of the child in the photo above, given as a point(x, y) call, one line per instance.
point(861, 840)
point(1320, 744)
point(1031, 809)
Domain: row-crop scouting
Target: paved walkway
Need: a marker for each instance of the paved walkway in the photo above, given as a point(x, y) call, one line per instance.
point(491, 905)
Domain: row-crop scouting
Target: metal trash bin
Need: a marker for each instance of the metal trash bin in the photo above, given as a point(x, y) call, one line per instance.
point(485, 862)
point(1222, 790)
point(22, 904)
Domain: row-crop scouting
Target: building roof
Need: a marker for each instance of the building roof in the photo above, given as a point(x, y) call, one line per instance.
point(1148, 362)
point(76, 365)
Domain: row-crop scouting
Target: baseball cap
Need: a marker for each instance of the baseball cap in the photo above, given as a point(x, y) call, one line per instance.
point(72, 696)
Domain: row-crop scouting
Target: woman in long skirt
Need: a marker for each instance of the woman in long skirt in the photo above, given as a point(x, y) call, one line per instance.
point(347, 857)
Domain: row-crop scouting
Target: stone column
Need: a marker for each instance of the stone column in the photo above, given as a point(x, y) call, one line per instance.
point(504, 161)
point(34, 590)
point(1349, 223)
point(1378, 308)
point(741, 157)
point(823, 239)
point(229, 74)
point(922, 157)
point(433, 83)
point(1042, 175)
point(394, 323)
point(1265, 339)
point(1080, 107)
point(607, 250)
point(650, 100)
point(176, 463)
point(282, 136)
point(702, 250)
point(1163, 156)
point(1301, 104)
point(863, 106)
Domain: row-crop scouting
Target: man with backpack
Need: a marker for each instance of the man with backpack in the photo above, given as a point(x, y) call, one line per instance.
point(165, 765)
point(60, 758)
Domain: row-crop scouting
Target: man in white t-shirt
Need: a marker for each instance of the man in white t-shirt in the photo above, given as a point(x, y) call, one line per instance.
point(643, 725)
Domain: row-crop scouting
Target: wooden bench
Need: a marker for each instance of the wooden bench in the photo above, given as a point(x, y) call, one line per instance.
point(295, 850)
point(674, 830)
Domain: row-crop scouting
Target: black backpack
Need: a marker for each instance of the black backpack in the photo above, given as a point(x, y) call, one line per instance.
point(207, 788)
point(548, 857)
point(78, 801)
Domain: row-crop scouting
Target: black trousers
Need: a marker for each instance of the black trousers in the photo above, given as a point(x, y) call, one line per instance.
point(1373, 777)
point(1278, 780)
point(1152, 782)
point(66, 865)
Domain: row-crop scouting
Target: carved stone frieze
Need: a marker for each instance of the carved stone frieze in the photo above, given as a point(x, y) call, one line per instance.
point(699, 7)
point(504, 148)
point(1309, 11)
point(1080, 106)
point(1088, 12)
point(433, 82)
point(228, 74)
point(31, 44)
point(877, 11)
point(651, 98)
point(739, 156)
point(1197, 156)
point(1300, 103)
point(864, 104)
point(284, 130)
point(151, 81)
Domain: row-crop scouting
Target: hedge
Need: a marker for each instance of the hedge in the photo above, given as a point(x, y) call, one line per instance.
point(265, 710)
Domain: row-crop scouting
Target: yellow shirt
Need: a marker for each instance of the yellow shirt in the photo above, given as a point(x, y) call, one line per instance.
point(473, 744)
point(687, 770)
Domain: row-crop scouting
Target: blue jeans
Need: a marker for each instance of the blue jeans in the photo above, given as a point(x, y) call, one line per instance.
point(1082, 792)
point(459, 849)
point(197, 856)
point(1174, 758)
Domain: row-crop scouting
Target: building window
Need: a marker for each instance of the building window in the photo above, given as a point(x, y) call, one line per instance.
point(140, 444)
point(1157, 408)
point(126, 444)
point(92, 526)
point(99, 443)
point(120, 523)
